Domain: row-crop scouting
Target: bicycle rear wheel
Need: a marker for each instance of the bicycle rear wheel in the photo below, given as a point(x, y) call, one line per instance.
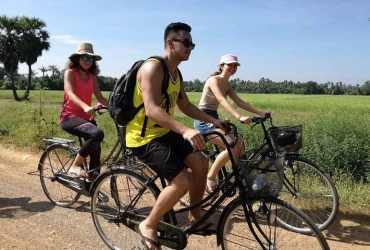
point(120, 188)
point(259, 228)
point(309, 188)
point(57, 159)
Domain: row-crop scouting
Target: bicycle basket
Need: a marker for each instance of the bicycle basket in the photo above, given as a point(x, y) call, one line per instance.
point(288, 138)
point(272, 165)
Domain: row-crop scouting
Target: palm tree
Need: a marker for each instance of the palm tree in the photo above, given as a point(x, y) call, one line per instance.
point(55, 72)
point(43, 70)
point(9, 42)
point(34, 42)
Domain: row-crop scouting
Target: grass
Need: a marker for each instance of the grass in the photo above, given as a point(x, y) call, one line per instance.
point(335, 132)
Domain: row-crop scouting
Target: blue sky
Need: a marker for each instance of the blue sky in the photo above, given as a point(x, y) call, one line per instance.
point(296, 40)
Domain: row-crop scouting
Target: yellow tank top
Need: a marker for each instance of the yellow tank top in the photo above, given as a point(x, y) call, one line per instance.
point(134, 127)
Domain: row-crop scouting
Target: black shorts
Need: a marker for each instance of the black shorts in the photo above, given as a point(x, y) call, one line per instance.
point(165, 155)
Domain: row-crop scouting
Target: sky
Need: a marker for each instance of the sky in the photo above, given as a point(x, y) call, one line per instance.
point(297, 40)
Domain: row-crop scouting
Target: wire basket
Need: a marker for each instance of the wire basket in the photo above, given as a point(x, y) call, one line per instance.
point(271, 164)
point(288, 138)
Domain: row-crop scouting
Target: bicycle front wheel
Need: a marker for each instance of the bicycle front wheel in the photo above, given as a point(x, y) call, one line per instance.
point(56, 160)
point(259, 228)
point(309, 188)
point(115, 191)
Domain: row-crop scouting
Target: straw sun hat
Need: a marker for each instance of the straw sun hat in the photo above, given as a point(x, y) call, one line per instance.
point(86, 49)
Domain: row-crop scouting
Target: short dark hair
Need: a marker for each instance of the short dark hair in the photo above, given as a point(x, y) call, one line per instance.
point(174, 28)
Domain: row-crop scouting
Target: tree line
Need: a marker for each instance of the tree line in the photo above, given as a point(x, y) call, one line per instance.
point(267, 86)
point(23, 40)
point(52, 79)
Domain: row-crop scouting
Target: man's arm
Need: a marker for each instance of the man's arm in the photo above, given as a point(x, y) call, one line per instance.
point(150, 77)
point(192, 111)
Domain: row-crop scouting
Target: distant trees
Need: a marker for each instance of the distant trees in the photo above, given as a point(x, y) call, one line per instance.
point(51, 78)
point(22, 40)
point(54, 81)
point(267, 86)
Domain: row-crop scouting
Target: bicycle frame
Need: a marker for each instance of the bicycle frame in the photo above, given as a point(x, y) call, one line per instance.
point(129, 219)
point(265, 145)
point(83, 186)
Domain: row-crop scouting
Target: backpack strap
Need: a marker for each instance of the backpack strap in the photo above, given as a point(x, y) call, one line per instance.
point(164, 90)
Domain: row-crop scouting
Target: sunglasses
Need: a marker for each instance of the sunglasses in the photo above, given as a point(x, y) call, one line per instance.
point(184, 42)
point(88, 59)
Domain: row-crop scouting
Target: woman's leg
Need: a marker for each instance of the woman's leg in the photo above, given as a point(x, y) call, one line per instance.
point(223, 157)
point(93, 137)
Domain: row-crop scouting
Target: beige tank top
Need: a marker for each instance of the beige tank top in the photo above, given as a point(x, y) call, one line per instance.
point(208, 100)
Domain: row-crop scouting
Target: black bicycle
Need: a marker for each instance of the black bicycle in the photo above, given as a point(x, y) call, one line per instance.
point(253, 219)
point(59, 153)
point(307, 186)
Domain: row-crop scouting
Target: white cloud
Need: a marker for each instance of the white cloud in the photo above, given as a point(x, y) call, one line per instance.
point(68, 39)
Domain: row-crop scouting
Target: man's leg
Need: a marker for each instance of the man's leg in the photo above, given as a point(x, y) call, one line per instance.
point(165, 202)
point(198, 164)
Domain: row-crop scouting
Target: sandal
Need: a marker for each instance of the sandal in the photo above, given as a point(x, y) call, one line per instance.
point(146, 239)
point(77, 171)
point(211, 186)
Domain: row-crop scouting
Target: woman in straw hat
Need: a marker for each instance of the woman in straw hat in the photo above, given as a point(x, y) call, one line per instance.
point(215, 92)
point(77, 113)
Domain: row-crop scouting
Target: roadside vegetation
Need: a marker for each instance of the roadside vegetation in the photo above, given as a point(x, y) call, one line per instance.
point(336, 132)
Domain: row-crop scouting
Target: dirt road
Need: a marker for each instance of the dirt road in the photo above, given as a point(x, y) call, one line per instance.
point(29, 221)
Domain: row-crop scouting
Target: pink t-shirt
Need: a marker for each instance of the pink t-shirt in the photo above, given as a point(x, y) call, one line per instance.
point(84, 91)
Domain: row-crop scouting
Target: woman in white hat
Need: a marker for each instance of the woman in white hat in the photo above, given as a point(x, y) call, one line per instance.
point(77, 113)
point(215, 92)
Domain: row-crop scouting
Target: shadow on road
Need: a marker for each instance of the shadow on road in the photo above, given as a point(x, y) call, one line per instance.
point(22, 207)
point(350, 228)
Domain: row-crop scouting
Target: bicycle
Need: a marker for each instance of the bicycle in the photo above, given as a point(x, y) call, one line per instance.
point(307, 186)
point(134, 188)
point(59, 153)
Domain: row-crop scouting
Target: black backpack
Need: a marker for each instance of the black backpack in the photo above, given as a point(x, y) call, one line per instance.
point(121, 105)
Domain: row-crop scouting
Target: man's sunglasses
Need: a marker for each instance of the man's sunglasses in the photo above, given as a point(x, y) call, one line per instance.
point(88, 59)
point(185, 42)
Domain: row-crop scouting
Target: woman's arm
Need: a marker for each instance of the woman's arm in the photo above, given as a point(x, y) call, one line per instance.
point(242, 104)
point(215, 85)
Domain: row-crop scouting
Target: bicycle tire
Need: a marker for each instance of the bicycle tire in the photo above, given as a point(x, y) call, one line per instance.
point(106, 214)
point(317, 195)
point(55, 159)
point(260, 229)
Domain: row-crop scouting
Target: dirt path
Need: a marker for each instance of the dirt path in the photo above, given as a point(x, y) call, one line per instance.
point(29, 221)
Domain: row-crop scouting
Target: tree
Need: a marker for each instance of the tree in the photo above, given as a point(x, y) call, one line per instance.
point(55, 72)
point(43, 70)
point(34, 42)
point(9, 43)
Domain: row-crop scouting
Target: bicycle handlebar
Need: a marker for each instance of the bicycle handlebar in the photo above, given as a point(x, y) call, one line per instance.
point(261, 120)
point(98, 109)
point(258, 120)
